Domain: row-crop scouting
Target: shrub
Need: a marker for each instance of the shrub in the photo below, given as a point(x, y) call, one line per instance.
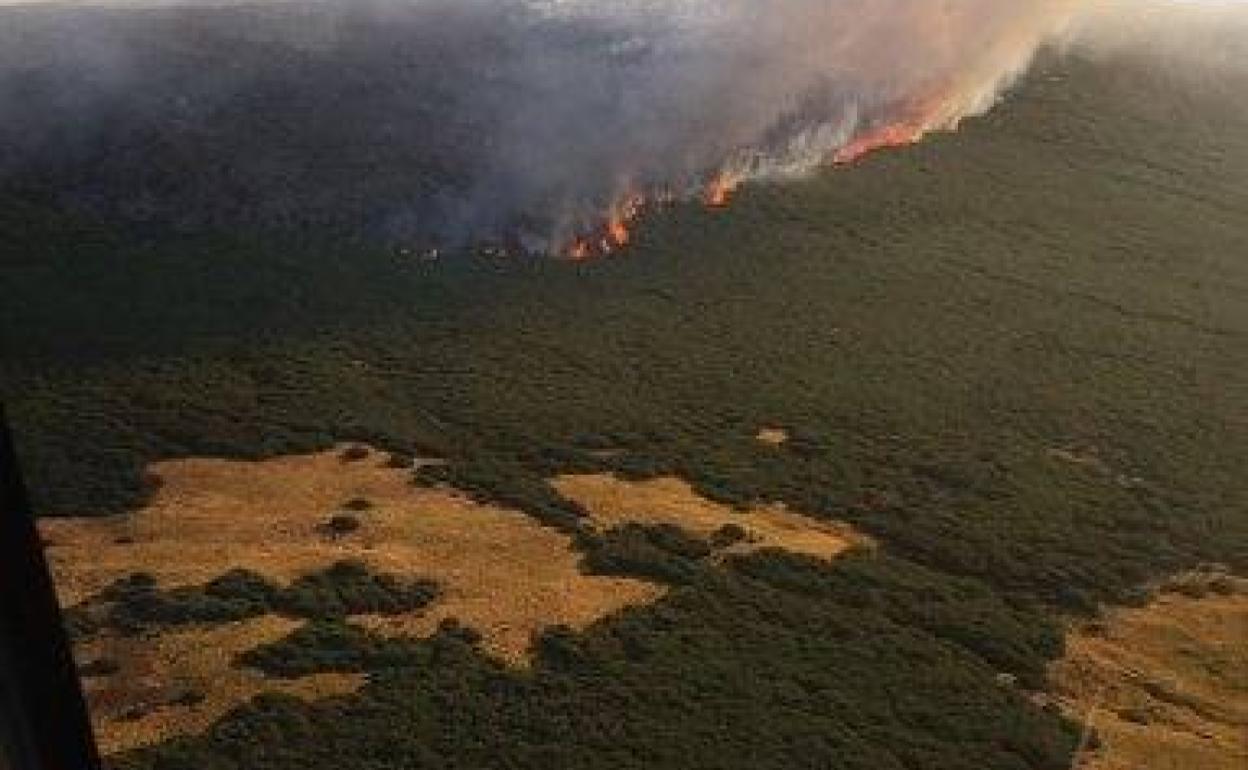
point(135, 582)
point(728, 535)
point(341, 524)
point(245, 586)
point(81, 622)
point(664, 553)
point(674, 540)
point(99, 667)
point(399, 461)
point(452, 628)
point(187, 697)
point(330, 645)
point(349, 588)
point(134, 605)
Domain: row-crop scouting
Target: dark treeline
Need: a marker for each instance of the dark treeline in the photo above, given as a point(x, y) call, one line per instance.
point(775, 662)
point(135, 605)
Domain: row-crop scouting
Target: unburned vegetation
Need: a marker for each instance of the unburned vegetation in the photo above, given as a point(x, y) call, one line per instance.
point(135, 605)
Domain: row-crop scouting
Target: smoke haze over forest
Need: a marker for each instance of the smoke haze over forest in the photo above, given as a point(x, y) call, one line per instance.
point(437, 122)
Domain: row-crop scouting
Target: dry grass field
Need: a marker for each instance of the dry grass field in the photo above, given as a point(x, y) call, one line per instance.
point(613, 501)
point(500, 571)
point(1165, 686)
point(144, 702)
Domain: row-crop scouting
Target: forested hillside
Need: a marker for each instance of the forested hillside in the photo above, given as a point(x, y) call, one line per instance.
point(1017, 356)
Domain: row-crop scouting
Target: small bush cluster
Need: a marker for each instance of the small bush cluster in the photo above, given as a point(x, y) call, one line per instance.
point(350, 588)
point(728, 536)
point(399, 461)
point(341, 524)
point(135, 604)
point(660, 552)
point(329, 645)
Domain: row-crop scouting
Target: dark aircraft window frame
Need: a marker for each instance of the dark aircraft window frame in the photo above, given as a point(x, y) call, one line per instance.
point(43, 716)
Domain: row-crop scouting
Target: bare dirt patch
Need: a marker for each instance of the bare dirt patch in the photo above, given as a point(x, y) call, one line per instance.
point(1164, 686)
point(613, 501)
point(772, 436)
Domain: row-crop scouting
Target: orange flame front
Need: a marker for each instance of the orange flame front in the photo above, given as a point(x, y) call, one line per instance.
point(617, 229)
point(719, 191)
point(911, 120)
point(611, 235)
point(882, 138)
point(915, 118)
point(578, 249)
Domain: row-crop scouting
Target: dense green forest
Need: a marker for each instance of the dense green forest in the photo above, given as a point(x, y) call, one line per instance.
point(1016, 355)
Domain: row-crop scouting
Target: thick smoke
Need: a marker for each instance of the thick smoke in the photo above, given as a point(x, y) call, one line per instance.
point(1203, 39)
point(450, 121)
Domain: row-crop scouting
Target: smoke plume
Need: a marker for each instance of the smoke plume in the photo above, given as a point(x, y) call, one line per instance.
point(540, 123)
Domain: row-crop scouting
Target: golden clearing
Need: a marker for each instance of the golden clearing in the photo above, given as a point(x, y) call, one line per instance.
point(1165, 686)
point(612, 501)
point(500, 571)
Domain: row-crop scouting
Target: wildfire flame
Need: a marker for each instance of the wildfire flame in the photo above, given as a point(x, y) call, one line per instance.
point(910, 121)
point(617, 230)
point(719, 191)
point(882, 138)
point(623, 213)
point(612, 235)
point(914, 119)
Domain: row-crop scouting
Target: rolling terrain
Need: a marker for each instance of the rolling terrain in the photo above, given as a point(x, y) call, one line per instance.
point(1014, 358)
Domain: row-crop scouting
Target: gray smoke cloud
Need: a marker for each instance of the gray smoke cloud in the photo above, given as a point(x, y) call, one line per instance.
point(432, 121)
point(1201, 38)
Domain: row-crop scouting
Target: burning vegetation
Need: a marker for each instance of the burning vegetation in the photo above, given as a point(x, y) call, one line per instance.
point(463, 142)
point(900, 125)
point(614, 233)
